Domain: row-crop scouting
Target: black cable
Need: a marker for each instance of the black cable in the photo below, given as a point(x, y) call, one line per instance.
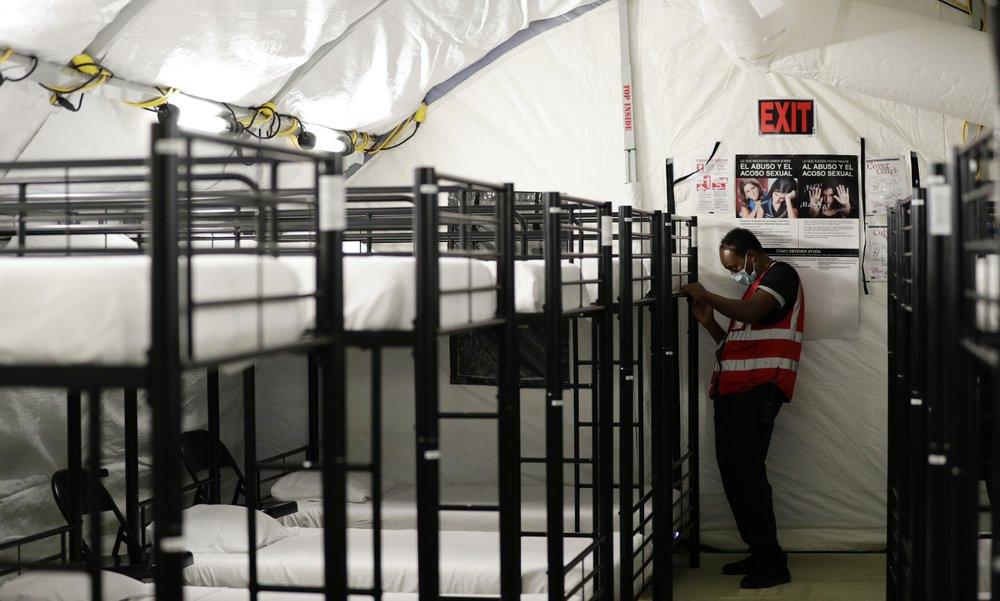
point(34, 65)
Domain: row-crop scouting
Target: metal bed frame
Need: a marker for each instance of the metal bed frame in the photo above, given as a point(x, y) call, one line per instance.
point(173, 208)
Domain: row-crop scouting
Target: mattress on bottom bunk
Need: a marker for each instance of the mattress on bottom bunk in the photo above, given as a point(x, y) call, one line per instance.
point(399, 510)
point(41, 585)
point(380, 291)
point(469, 562)
point(96, 310)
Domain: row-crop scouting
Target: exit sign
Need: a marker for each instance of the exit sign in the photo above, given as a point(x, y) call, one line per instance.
point(786, 117)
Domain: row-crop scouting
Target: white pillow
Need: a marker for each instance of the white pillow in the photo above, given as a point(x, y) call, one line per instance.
point(46, 585)
point(76, 241)
point(223, 529)
point(308, 486)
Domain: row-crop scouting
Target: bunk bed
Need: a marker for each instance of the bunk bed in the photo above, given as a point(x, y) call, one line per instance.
point(973, 526)
point(133, 320)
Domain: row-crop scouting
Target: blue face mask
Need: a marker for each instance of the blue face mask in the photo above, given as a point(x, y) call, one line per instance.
point(743, 278)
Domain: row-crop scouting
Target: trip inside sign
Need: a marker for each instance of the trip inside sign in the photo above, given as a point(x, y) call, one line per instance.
point(786, 117)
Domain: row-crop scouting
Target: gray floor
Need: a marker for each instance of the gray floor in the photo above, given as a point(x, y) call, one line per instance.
point(815, 577)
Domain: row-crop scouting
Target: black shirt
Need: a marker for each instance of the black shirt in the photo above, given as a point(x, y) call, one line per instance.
point(782, 282)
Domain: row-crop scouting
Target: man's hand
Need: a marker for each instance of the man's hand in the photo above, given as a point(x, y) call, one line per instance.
point(695, 291)
point(703, 312)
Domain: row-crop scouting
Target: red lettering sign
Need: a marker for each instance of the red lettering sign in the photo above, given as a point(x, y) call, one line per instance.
point(787, 117)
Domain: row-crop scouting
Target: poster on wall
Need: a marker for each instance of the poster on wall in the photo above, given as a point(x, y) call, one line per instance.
point(711, 185)
point(876, 247)
point(805, 210)
point(887, 182)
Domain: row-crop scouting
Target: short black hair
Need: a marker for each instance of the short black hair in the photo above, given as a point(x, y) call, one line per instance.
point(741, 240)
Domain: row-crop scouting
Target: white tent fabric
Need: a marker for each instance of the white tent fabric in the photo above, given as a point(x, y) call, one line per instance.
point(547, 116)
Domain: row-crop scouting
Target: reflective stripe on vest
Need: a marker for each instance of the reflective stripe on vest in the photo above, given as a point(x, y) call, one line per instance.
point(755, 354)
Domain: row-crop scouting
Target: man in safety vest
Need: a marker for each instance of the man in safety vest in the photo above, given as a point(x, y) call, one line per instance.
point(758, 357)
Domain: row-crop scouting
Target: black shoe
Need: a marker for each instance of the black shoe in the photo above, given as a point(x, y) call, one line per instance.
point(738, 568)
point(766, 578)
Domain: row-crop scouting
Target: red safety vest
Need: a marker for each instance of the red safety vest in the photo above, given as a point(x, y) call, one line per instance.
point(755, 354)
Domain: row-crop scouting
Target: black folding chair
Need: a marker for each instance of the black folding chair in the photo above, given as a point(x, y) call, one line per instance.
point(94, 498)
point(196, 455)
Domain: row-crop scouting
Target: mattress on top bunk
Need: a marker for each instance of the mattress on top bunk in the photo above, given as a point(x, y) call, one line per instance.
point(76, 310)
point(469, 562)
point(640, 267)
point(380, 291)
point(529, 286)
point(399, 510)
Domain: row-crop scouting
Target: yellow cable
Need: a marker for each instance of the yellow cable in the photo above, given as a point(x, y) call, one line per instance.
point(84, 63)
point(154, 102)
point(292, 130)
point(264, 112)
point(6, 55)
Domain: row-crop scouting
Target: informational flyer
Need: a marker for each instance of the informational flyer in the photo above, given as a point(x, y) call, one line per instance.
point(887, 181)
point(805, 210)
point(876, 247)
point(711, 184)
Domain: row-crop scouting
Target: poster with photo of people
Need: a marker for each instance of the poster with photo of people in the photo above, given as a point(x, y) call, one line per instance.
point(796, 186)
point(805, 209)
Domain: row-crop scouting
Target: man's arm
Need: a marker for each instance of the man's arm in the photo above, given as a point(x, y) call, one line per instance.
point(713, 328)
point(747, 311)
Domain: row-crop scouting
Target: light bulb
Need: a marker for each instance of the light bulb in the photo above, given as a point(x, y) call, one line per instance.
point(201, 115)
point(328, 140)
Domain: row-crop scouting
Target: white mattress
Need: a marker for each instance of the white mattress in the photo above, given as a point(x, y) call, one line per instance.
point(529, 286)
point(380, 291)
point(208, 593)
point(399, 510)
point(640, 267)
point(988, 286)
point(469, 562)
point(71, 310)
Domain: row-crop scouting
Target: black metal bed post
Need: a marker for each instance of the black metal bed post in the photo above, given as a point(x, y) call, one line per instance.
point(965, 421)
point(250, 474)
point(426, 383)
point(892, 474)
point(605, 399)
point(625, 404)
point(95, 554)
point(332, 365)
point(919, 457)
point(214, 452)
point(553, 397)
point(132, 518)
point(935, 356)
point(952, 398)
point(312, 403)
point(165, 365)
point(661, 485)
point(74, 442)
point(509, 409)
point(694, 400)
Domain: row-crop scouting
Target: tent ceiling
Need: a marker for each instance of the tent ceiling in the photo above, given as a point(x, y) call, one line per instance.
point(368, 63)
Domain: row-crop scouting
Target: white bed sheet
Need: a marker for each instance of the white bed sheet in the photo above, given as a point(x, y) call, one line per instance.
point(469, 562)
point(75, 310)
point(399, 510)
point(380, 291)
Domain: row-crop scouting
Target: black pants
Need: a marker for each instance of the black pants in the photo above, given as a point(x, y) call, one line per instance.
point(743, 426)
